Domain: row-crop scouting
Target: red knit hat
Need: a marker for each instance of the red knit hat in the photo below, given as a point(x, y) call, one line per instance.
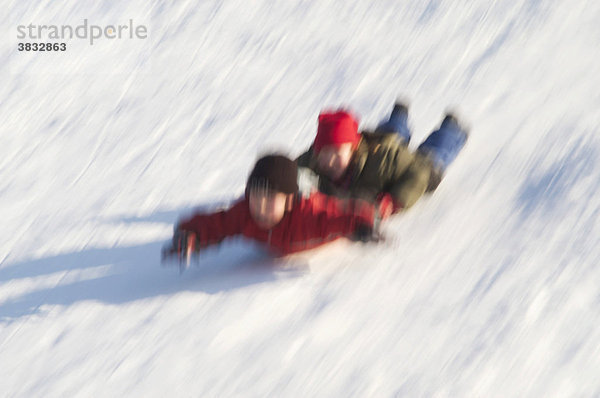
point(335, 129)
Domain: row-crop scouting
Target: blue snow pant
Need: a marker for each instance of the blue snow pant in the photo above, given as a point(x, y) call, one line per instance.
point(396, 123)
point(442, 147)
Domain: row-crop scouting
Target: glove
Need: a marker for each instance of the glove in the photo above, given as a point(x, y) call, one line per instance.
point(368, 233)
point(183, 244)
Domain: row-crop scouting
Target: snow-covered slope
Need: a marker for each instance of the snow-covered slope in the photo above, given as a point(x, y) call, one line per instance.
point(489, 288)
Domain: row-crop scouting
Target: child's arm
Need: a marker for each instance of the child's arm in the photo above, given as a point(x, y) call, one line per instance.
point(212, 228)
point(327, 218)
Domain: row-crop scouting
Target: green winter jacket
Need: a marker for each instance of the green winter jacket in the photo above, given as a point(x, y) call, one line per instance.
point(380, 164)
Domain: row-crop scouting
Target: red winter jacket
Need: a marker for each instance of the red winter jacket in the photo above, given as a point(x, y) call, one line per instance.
point(312, 222)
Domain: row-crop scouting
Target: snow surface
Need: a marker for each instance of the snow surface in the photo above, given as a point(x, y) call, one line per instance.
point(489, 288)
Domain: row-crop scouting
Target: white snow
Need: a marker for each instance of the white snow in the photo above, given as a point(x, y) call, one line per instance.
point(489, 288)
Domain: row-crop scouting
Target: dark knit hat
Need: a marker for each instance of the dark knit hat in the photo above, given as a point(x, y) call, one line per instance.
point(274, 172)
point(336, 128)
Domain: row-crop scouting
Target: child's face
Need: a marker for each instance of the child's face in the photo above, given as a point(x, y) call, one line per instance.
point(333, 161)
point(267, 207)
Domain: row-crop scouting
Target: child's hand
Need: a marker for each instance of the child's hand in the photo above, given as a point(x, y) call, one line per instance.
point(183, 244)
point(367, 233)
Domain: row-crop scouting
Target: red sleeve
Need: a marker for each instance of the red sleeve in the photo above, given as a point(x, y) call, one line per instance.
point(212, 228)
point(326, 218)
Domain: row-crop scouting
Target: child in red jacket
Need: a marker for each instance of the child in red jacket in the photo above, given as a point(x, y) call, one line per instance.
point(273, 213)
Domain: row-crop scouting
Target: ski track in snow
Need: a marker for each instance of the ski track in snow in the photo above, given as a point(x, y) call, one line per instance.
point(488, 288)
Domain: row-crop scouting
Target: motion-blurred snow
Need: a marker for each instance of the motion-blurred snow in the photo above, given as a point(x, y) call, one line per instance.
point(489, 288)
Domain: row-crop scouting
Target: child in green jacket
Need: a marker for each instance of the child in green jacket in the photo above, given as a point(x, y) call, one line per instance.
point(377, 165)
